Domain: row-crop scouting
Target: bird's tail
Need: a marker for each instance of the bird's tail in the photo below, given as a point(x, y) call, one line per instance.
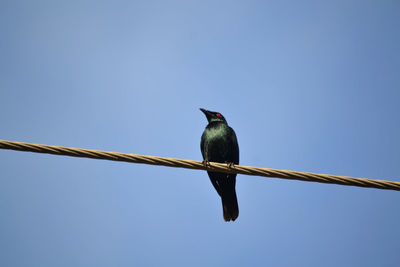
point(230, 206)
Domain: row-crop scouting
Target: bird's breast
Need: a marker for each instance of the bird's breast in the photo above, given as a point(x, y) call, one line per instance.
point(218, 145)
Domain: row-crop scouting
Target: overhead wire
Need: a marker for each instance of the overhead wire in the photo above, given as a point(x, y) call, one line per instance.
point(200, 165)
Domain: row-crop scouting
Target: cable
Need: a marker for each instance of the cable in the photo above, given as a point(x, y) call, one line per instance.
point(194, 164)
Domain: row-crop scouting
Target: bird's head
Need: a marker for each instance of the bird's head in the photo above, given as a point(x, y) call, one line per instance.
point(213, 116)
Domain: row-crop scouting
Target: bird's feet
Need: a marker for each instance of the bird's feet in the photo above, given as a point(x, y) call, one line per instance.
point(230, 164)
point(206, 163)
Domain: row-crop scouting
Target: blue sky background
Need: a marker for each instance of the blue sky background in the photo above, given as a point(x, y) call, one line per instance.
point(307, 86)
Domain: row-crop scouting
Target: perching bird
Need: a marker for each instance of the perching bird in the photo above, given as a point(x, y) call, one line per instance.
point(219, 144)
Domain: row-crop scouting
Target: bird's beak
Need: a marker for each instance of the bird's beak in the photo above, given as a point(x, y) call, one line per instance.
point(207, 113)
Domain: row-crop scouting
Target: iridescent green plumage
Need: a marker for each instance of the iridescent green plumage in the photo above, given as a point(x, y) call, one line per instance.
point(219, 144)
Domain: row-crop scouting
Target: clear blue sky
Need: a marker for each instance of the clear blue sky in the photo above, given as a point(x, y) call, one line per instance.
point(307, 85)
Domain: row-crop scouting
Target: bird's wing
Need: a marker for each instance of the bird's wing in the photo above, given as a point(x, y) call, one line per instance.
point(235, 147)
point(202, 146)
point(214, 178)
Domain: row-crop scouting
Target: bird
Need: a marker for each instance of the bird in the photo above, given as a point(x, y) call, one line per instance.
point(219, 144)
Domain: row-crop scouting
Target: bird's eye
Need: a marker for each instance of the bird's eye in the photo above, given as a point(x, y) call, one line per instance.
point(218, 115)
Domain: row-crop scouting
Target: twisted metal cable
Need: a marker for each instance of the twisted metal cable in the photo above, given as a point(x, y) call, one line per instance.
point(194, 164)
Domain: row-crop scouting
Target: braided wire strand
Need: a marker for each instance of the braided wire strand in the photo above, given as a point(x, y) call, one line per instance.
point(194, 164)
